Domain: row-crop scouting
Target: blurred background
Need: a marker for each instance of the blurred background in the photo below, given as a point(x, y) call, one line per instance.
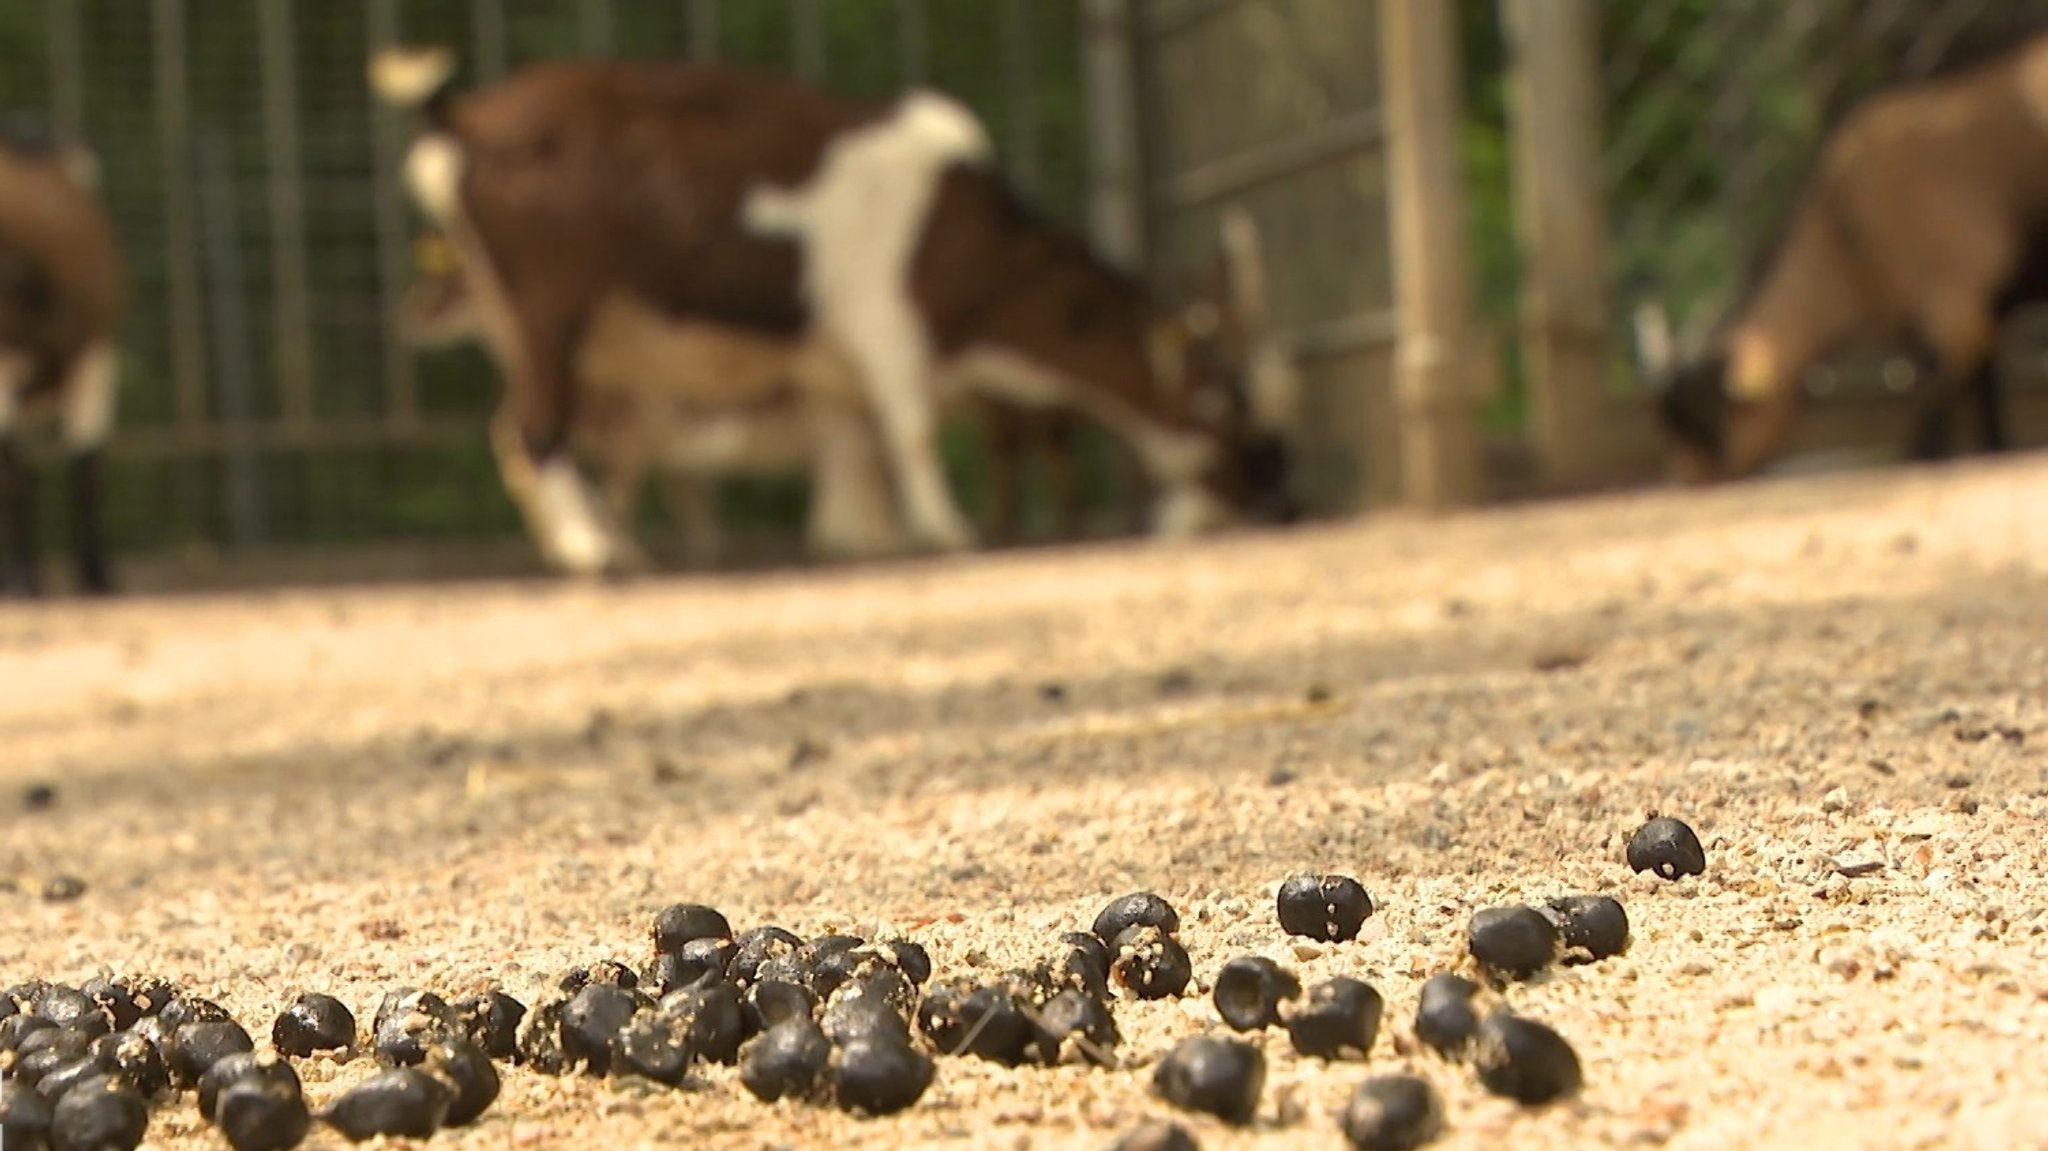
point(273, 424)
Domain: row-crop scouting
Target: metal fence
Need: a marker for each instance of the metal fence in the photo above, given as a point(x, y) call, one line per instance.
point(266, 396)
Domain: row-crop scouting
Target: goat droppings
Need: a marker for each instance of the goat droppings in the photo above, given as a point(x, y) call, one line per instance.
point(1444, 1019)
point(472, 1083)
point(1158, 1135)
point(1512, 942)
point(264, 1109)
point(1392, 1113)
point(403, 1101)
point(314, 1022)
point(681, 923)
point(1138, 909)
point(1150, 963)
point(879, 1076)
point(1668, 848)
point(1249, 991)
point(1213, 1076)
point(785, 1061)
point(1338, 1019)
point(491, 1021)
point(1524, 1060)
point(1330, 908)
point(101, 1114)
point(1594, 927)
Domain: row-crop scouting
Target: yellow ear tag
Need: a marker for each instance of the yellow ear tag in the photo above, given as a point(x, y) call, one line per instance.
point(434, 255)
point(1752, 374)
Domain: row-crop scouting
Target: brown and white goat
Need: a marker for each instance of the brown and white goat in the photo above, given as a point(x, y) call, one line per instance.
point(62, 295)
point(739, 198)
point(690, 402)
point(1925, 219)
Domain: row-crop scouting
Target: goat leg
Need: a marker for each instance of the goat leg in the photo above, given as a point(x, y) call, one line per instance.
point(19, 574)
point(88, 522)
point(1987, 384)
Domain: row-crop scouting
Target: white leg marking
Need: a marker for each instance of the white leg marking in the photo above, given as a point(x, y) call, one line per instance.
point(572, 534)
point(89, 396)
point(860, 220)
point(853, 510)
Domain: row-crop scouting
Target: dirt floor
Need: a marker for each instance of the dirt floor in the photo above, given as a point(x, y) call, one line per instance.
point(460, 786)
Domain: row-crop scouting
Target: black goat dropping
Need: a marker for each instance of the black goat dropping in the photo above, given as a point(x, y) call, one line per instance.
point(838, 1021)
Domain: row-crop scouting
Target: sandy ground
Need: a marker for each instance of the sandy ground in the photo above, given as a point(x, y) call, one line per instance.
point(462, 786)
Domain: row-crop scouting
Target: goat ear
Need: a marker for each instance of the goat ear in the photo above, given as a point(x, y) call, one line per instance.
point(1244, 266)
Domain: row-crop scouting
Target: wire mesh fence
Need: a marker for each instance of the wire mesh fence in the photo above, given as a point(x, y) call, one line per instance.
point(1715, 109)
point(267, 396)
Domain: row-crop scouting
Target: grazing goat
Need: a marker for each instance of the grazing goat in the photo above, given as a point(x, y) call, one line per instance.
point(871, 233)
point(62, 294)
point(641, 406)
point(1925, 219)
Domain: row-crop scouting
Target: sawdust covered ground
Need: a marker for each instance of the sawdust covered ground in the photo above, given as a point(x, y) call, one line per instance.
point(466, 786)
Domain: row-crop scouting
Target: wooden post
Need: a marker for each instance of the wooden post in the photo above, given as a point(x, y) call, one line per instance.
point(1433, 398)
point(291, 282)
point(1116, 193)
point(1561, 221)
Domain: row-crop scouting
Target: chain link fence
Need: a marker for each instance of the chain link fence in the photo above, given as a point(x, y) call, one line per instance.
point(1715, 110)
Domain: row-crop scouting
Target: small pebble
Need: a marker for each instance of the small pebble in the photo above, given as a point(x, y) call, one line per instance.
point(1593, 927)
point(1667, 848)
point(38, 797)
point(1138, 909)
point(314, 1022)
point(680, 923)
point(1338, 1019)
point(1512, 942)
point(785, 1061)
point(1393, 1113)
point(879, 1076)
point(1524, 1060)
point(1213, 1076)
point(1329, 908)
point(403, 1101)
point(1157, 1135)
point(63, 888)
point(1249, 991)
point(1151, 963)
point(1444, 1019)
point(101, 1114)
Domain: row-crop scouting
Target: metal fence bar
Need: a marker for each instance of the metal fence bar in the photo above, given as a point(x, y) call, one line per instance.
point(913, 42)
point(67, 69)
point(1333, 139)
point(329, 435)
point(597, 27)
point(290, 277)
point(1020, 96)
point(701, 22)
point(807, 40)
point(1116, 191)
point(490, 39)
point(181, 242)
point(401, 385)
point(234, 381)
